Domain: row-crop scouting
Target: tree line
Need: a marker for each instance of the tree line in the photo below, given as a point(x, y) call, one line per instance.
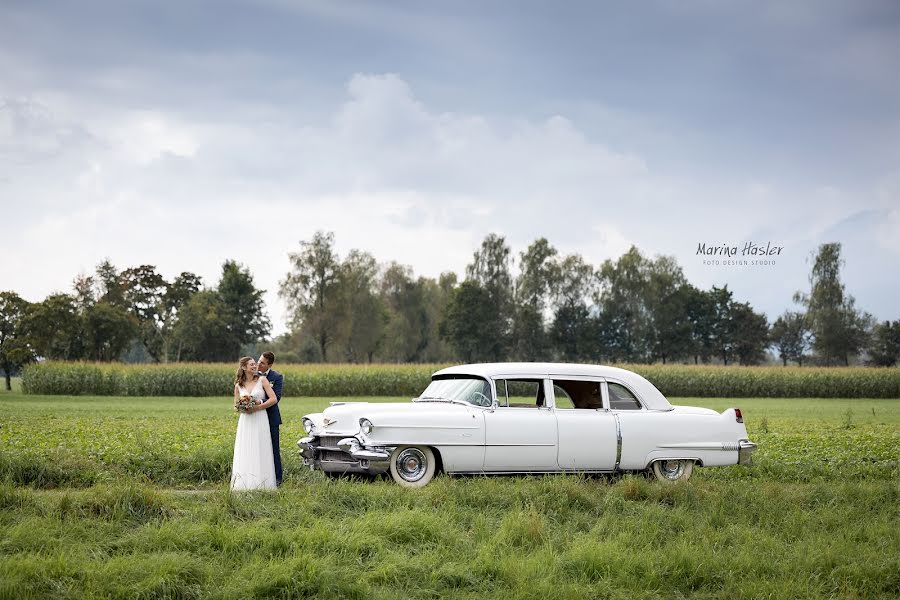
point(540, 305)
point(136, 312)
point(559, 307)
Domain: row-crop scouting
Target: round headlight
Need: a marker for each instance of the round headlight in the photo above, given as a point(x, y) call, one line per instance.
point(366, 426)
point(308, 425)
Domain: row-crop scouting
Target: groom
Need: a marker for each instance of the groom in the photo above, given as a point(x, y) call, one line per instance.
point(277, 380)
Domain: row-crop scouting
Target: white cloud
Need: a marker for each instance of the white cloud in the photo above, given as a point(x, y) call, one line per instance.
point(387, 173)
point(144, 136)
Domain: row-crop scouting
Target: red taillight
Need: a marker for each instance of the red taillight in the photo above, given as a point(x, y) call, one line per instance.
point(738, 416)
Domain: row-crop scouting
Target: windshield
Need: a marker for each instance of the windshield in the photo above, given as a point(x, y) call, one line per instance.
point(471, 391)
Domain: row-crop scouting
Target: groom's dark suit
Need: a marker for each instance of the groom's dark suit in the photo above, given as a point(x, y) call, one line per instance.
point(277, 381)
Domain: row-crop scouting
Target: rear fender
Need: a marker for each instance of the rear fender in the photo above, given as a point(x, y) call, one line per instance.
point(735, 420)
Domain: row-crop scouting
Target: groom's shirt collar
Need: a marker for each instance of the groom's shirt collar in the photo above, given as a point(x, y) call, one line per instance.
point(264, 374)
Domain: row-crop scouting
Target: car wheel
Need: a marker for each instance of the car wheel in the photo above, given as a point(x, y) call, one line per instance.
point(412, 466)
point(673, 470)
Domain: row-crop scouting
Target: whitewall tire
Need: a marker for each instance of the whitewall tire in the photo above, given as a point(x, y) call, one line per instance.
point(673, 470)
point(412, 466)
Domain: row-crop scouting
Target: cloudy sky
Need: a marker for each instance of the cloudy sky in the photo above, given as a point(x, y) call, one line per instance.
point(183, 134)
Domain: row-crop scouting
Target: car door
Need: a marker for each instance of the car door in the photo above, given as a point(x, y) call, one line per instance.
point(587, 431)
point(520, 431)
point(641, 429)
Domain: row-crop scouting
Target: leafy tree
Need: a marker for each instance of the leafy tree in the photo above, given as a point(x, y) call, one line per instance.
point(490, 267)
point(312, 292)
point(14, 349)
point(203, 328)
point(490, 270)
point(309, 350)
point(701, 313)
point(85, 288)
point(153, 302)
point(143, 292)
point(436, 296)
point(674, 328)
point(751, 334)
point(790, 337)
point(624, 316)
point(538, 275)
point(666, 301)
point(885, 348)
point(858, 325)
point(216, 324)
point(735, 330)
point(838, 328)
point(408, 326)
point(54, 329)
point(722, 327)
point(110, 284)
point(364, 326)
point(184, 286)
point(177, 295)
point(574, 281)
point(571, 330)
point(245, 316)
point(108, 331)
point(530, 335)
point(471, 324)
point(537, 279)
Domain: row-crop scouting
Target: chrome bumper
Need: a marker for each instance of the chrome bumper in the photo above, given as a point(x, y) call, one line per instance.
point(745, 452)
point(347, 455)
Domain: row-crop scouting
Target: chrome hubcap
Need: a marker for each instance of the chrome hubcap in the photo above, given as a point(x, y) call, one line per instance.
point(671, 469)
point(411, 464)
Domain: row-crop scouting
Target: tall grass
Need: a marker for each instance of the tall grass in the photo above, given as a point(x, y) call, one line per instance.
point(528, 537)
point(204, 379)
point(772, 382)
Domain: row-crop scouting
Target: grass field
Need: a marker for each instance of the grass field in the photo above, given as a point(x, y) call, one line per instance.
point(125, 497)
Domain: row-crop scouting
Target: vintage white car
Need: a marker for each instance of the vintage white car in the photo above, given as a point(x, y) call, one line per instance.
point(525, 418)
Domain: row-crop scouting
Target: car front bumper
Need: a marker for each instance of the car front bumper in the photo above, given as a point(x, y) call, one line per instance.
point(745, 452)
point(344, 454)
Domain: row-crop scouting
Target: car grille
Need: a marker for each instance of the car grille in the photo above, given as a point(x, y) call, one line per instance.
point(329, 441)
point(334, 456)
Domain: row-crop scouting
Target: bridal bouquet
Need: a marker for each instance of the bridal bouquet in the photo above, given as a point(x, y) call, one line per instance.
point(244, 403)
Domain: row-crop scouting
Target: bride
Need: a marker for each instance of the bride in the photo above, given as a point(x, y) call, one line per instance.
point(254, 466)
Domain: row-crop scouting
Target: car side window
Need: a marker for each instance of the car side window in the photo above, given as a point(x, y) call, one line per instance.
point(621, 398)
point(520, 393)
point(577, 394)
point(502, 392)
point(563, 400)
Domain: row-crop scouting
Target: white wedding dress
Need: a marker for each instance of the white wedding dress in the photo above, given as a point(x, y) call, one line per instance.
point(254, 465)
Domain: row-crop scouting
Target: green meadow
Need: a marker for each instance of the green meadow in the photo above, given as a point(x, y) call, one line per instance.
point(126, 497)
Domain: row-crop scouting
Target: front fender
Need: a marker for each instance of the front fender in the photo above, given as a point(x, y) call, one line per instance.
point(316, 418)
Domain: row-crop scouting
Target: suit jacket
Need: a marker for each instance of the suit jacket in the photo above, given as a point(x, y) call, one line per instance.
point(277, 381)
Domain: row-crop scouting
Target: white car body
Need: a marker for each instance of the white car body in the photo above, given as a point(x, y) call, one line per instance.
point(623, 424)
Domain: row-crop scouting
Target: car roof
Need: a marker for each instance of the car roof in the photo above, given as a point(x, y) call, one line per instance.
point(651, 397)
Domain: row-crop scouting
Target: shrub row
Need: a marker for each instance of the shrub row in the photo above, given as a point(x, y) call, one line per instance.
point(188, 379)
point(204, 379)
point(772, 382)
